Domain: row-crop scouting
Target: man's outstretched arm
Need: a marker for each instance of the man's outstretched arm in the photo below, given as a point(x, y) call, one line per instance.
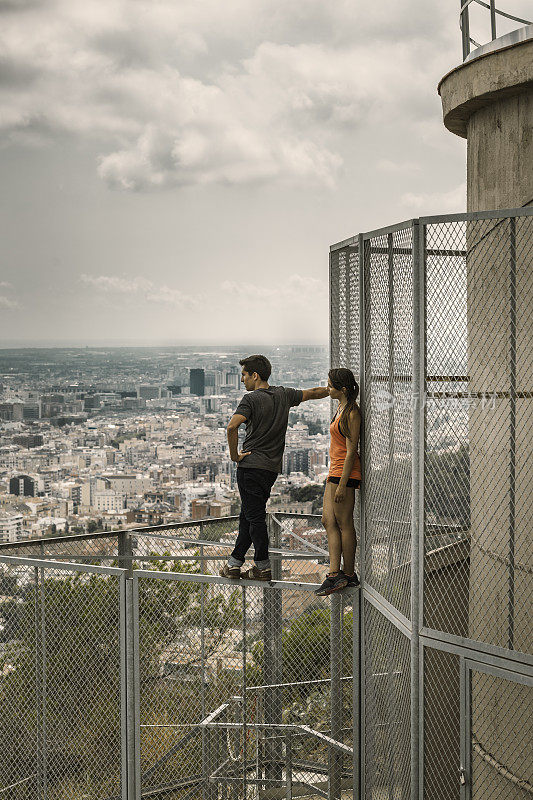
point(233, 437)
point(318, 393)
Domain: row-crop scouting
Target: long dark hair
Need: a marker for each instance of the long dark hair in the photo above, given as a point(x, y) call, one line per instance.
point(344, 379)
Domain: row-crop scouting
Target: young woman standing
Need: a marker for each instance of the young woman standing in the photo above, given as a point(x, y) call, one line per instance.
point(343, 479)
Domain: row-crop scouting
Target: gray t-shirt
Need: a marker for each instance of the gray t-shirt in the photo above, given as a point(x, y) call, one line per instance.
point(267, 415)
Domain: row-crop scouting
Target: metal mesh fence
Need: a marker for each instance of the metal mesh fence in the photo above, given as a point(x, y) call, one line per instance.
point(479, 477)
point(442, 711)
point(344, 303)
point(447, 400)
point(387, 728)
point(499, 745)
point(388, 425)
point(61, 705)
point(241, 690)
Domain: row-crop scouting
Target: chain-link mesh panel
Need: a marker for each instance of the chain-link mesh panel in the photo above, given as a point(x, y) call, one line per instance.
point(245, 690)
point(442, 755)
point(501, 757)
point(21, 745)
point(95, 548)
point(386, 708)
point(479, 478)
point(344, 308)
point(60, 697)
point(388, 265)
point(204, 546)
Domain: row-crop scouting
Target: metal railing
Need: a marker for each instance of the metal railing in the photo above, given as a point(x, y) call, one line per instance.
point(129, 668)
point(494, 12)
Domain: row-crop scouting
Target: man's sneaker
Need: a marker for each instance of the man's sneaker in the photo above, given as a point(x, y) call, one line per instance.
point(256, 574)
point(333, 583)
point(353, 580)
point(230, 572)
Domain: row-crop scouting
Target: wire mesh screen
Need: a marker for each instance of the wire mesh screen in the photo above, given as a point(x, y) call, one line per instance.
point(501, 730)
point(241, 690)
point(442, 756)
point(387, 728)
point(344, 305)
point(388, 413)
point(60, 691)
point(95, 547)
point(479, 477)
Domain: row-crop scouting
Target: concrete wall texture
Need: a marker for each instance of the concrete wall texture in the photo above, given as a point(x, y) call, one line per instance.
point(489, 101)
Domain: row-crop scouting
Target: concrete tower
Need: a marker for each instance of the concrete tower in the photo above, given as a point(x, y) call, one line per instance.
point(489, 101)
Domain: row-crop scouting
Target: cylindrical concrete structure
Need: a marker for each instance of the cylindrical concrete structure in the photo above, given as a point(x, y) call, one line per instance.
point(489, 101)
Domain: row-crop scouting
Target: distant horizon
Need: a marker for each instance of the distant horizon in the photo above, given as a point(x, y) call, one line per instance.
point(125, 343)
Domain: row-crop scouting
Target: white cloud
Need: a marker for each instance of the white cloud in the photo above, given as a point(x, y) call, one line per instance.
point(5, 285)
point(7, 304)
point(141, 290)
point(436, 203)
point(206, 92)
point(296, 291)
point(397, 167)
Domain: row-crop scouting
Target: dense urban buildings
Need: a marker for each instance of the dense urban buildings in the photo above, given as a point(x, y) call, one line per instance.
point(105, 438)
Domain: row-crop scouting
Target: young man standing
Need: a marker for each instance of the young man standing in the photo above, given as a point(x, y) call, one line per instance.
point(265, 410)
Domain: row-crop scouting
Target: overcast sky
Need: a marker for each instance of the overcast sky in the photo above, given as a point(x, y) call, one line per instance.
point(175, 170)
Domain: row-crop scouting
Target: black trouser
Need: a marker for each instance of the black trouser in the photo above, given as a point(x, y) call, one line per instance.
point(254, 489)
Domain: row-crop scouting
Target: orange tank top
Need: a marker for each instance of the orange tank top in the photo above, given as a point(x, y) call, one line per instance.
point(337, 453)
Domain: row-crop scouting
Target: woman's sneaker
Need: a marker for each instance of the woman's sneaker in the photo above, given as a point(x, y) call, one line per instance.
point(353, 580)
point(332, 583)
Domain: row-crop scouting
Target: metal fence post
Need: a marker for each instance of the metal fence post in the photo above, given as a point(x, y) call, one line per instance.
point(335, 640)
point(417, 519)
point(44, 672)
point(244, 708)
point(125, 552)
point(272, 667)
point(288, 763)
point(356, 699)
point(465, 29)
point(493, 33)
point(364, 362)
point(131, 663)
point(38, 687)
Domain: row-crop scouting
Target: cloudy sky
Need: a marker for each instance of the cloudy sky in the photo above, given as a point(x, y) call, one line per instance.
point(175, 170)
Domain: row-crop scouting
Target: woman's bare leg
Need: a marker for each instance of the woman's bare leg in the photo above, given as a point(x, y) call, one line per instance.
point(344, 519)
point(333, 531)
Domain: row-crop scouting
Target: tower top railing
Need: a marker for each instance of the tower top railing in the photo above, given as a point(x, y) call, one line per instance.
point(464, 22)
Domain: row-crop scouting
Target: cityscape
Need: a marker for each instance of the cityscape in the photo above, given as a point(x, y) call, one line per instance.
point(95, 439)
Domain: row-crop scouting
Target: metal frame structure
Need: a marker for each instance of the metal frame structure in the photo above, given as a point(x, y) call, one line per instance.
point(464, 22)
point(360, 258)
point(281, 741)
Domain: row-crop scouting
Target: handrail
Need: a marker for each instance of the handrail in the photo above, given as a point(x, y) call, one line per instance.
point(464, 22)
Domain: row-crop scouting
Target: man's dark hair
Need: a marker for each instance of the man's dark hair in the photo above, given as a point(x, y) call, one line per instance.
point(259, 364)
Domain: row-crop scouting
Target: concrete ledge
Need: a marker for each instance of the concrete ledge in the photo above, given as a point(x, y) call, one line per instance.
point(506, 72)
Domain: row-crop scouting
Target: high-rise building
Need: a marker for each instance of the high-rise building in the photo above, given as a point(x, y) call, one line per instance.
point(197, 382)
point(22, 486)
point(296, 461)
point(233, 379)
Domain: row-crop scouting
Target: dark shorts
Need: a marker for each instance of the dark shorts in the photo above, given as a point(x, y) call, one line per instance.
point(353, 483)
